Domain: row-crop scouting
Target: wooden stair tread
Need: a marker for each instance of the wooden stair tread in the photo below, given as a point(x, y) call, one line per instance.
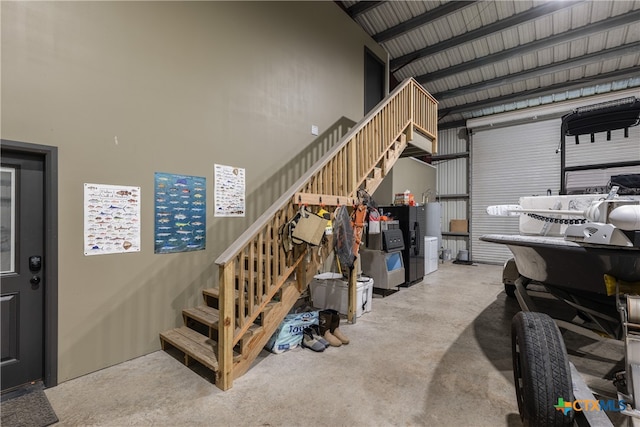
point(215, 292)
point(194, 344)
point(210, 317)
point(204, 314)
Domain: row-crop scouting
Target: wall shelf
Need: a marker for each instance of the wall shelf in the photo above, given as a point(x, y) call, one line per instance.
point(451, 196)
point(452, 234)
point(456, 202)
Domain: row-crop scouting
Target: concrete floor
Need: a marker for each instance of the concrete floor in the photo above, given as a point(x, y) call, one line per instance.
point(434, 354)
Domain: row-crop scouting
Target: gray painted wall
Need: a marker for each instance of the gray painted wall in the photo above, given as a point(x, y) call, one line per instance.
point(126, 89)
point(407, 174)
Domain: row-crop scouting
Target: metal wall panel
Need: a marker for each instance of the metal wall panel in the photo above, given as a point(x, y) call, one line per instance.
point(453, 180)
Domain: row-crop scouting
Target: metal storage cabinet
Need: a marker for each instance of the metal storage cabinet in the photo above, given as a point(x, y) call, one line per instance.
point(413, 223)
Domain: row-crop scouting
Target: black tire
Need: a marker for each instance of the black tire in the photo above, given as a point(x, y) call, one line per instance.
point(510, 290)
point(540, 369)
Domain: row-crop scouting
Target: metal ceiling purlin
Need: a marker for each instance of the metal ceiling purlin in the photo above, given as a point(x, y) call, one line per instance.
point(533, 13)
point(511, 55)
point(627, 18)
point(420, 20)
point(546, 90)
point(361, 7)
point(595, 57)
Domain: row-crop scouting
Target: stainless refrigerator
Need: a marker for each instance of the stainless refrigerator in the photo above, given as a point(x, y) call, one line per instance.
point(413, 223)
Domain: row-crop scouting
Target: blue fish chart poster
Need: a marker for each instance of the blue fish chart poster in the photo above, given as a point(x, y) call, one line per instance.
point(180, 213)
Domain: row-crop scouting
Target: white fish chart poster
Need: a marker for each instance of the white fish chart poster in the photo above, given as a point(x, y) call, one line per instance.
point(180, 213)
point(229, 197)
point(111, 219)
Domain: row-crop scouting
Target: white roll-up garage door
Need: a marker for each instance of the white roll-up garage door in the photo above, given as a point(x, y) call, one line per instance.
point(514, 154)
point(522, 160)
point(508, 163)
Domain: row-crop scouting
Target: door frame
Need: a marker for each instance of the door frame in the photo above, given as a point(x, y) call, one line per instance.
point(50, 157)
point(368, 53)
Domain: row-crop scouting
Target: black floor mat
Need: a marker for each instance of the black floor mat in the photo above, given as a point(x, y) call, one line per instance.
point(459, 261)
point(27, 406)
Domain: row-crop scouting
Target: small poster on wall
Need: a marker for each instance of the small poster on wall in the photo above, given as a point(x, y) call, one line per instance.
point(111, 219)
point(180, 213)
point(229, 197)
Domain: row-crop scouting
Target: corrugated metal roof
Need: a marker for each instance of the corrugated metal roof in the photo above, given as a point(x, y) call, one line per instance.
point(483, 57)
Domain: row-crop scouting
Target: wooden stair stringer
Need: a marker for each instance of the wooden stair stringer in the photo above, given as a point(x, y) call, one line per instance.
point(373, 178)
point(289, 297)
point(372, 182)
point(391, 156)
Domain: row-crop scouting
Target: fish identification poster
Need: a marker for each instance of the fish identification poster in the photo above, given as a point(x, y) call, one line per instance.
point(111, 219)
point(229, 198)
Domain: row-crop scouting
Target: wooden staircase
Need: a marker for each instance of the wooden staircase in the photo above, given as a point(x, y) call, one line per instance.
point(259, 282)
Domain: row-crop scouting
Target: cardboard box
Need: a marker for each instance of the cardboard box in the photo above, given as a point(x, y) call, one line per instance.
point(329, 290)
point(459, 226)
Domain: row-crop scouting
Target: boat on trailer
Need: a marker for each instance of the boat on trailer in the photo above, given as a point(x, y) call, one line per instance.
point(572, 267)
point(585, 250)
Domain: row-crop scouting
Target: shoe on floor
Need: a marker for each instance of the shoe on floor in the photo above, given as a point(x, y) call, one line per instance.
point(338, 334)
point(315, 332)
point(333, 341)
point(308, 341)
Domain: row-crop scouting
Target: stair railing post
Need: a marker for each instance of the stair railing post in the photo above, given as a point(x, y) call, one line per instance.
point(353, 292)
point(412, 102)
point(226, 326)
point(353, 165)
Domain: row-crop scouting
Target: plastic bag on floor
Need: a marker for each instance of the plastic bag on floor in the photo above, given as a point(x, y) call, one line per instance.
point(290, 332)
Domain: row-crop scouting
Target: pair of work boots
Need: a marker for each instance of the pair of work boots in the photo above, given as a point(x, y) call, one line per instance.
point(329, 323)
point(325, 334)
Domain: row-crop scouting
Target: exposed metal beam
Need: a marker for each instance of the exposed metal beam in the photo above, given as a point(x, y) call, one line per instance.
point(606, 24)
point(541, 70)
point(542, 91)
point(362, 7)
point(413, 152)
point(483, 31)
point(452, 156)
point(420, 20)
point(450, 125)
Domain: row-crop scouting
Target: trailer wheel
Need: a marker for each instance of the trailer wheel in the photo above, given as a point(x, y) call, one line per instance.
point(541, 370)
